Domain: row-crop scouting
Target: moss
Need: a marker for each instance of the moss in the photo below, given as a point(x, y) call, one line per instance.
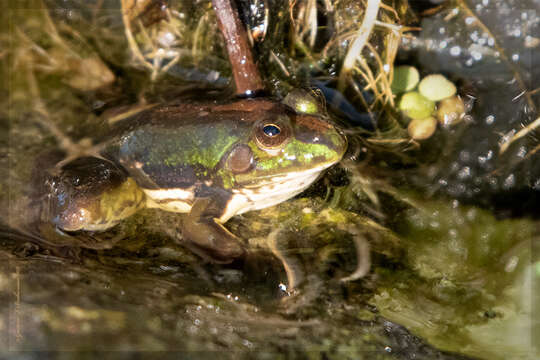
point(459, 267)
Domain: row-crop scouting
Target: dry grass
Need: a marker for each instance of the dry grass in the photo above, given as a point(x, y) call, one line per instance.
point(508, 140)
point(363, 42)
point(372, 43)
point(363, 46)
point(350, 42)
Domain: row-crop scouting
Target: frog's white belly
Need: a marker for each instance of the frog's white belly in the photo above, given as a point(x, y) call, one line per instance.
point(274, 191)
point(279, 190)
point(175, 200)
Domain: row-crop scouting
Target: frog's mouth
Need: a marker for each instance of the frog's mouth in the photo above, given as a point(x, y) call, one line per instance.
point(278, 178)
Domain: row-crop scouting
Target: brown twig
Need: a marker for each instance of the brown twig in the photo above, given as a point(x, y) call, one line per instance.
point(246, 75)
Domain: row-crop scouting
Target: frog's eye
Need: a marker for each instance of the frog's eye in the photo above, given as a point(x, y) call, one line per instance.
point(271, 135)
point(271, 130)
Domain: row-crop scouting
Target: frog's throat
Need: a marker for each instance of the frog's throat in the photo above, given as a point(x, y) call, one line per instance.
point(281, 188)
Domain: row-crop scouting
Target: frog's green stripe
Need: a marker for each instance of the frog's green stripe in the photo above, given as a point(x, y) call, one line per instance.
point(295, 152)
point(194, 149)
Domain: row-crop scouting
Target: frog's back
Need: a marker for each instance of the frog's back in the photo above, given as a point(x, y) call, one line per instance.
point(177, 145)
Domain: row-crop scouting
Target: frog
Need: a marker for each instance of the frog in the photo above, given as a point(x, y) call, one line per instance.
point(211, 161)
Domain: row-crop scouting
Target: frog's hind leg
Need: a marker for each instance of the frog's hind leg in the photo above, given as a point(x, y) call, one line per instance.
point(90, 194)
point(207, 237)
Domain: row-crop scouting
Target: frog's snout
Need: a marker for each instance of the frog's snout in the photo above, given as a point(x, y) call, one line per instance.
point(315, 130)
point(339, 140)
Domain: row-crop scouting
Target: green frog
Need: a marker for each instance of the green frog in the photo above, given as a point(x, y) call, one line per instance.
point(211, 161)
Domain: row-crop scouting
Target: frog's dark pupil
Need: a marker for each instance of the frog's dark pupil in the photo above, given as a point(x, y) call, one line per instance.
point(271, 130)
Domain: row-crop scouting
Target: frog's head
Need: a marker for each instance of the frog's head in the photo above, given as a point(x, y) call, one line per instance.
point(286, 151)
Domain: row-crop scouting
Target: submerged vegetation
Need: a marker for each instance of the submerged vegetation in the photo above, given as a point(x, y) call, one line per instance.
point(421, 243)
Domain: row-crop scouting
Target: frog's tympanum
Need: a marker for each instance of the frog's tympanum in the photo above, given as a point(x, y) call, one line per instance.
point(210, 161)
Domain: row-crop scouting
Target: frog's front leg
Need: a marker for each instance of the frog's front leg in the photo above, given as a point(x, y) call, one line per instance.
point(206, 235)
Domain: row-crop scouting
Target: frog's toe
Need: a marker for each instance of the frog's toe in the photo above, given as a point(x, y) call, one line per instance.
point(212, 241)
point(219, 252)
point(218, 256)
